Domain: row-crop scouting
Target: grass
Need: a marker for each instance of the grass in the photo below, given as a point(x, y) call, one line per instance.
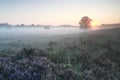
point(93, 55)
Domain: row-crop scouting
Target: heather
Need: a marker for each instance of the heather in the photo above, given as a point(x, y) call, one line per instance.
point(92, 55)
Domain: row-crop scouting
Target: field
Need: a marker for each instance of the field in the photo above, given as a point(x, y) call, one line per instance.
point(87, 55)
point(14, 38)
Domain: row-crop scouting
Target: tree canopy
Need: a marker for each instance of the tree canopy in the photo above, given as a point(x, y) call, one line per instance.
point(85, 22)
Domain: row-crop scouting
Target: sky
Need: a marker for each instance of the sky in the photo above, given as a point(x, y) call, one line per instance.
point(58, 12)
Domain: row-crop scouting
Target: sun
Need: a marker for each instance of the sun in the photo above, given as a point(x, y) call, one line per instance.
point(94, 24)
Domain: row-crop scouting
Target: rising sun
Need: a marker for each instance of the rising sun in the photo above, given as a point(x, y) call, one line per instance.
point(94, 24)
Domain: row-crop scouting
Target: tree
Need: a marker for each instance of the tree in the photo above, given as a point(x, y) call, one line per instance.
point(85, 22)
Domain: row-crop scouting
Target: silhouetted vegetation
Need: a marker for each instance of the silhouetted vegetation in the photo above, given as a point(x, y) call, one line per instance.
point(85, 22)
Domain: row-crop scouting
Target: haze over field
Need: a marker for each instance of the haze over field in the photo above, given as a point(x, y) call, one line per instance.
point(59, 40)
point(18, 37)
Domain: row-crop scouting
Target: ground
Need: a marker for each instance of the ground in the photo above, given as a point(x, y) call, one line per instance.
point(92, 55)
